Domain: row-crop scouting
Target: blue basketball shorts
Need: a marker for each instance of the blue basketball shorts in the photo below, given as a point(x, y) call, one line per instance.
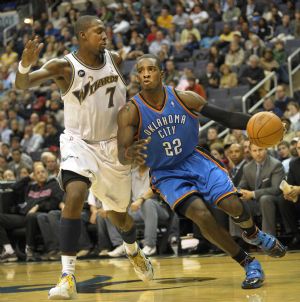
point(198, 174)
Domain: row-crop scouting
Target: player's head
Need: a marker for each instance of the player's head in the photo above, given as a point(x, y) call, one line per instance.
point(149, 72)
point(90, 32)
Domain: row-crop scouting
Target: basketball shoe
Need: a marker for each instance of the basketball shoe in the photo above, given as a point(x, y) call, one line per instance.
point(65, 289)
point(254, 275)
point(268, 243)
point(142, 265)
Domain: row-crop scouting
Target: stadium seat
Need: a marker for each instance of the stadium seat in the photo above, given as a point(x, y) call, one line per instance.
point(219, 97)
point(183, 65)
point(236, 94)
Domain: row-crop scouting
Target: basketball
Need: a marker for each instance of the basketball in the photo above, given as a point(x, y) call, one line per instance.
point(265, 129)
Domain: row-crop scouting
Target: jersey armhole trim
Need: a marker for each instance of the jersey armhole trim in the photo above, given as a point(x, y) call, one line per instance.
point(73, 76)
point(137, 135)
point(117, 68)
point(183, 105)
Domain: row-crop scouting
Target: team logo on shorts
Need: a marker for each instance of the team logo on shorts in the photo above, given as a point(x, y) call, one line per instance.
point(81, 73)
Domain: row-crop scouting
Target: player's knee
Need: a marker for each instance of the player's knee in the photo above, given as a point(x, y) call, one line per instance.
point(232, 205)
point(121, 221)
point(74, 203)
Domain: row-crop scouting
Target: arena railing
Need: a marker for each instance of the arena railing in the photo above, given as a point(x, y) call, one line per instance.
point(292, 70)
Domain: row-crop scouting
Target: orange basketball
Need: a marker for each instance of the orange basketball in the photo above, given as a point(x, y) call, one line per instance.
point(265, 129)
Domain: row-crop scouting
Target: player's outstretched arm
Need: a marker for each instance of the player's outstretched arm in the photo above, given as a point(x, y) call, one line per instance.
point(194, 102)
point(51, 70)
point(130, 150)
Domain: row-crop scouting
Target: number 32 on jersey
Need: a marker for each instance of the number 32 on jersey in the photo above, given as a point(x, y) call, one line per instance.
point(173, 148)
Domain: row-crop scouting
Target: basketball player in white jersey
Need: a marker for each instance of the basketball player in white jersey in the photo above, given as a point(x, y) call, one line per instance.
point(93, 91)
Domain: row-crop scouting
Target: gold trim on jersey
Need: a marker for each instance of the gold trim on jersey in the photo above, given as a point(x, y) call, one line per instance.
point(87, 66)
point(117, 69)
point(73, 77)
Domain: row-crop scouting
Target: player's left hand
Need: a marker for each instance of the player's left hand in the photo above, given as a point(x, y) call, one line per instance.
point(136, 152)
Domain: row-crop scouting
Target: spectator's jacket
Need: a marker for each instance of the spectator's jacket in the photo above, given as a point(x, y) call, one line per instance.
point(30, 194)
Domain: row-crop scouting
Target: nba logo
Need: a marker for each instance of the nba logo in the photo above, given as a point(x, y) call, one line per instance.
point(81, 73)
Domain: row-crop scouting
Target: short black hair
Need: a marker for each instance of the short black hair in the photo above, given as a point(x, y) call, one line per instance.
point(151, 56)
point(83, 23)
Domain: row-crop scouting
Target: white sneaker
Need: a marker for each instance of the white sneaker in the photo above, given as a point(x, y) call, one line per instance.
point(119, 251)
point(65, 289)
point(149, 250)
point(142, 265)
point(82, 253)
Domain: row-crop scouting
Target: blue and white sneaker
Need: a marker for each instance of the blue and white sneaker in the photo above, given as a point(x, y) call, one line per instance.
point(65, 289)
point(268, 243)
point(254, 275)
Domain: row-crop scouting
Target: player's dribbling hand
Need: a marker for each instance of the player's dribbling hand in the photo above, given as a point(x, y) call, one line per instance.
point(31, 52)
point(136, 152)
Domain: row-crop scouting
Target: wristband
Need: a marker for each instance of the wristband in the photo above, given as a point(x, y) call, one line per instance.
point(22, 69)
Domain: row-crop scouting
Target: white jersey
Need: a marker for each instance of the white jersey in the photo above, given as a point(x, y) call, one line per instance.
point(94, 97)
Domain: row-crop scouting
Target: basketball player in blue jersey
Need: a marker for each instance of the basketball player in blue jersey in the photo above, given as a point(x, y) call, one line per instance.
point(93, 91)
point(159, 127)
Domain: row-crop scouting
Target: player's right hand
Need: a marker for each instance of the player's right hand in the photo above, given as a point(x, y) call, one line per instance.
point(137, 151)
point(31, 52)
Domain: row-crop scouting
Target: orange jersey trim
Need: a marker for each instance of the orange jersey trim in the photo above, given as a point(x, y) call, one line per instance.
point(152, 108)
point(225, 195)
point(182, 197)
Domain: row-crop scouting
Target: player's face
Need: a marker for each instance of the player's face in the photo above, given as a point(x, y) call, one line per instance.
point(96, 37)
point(149, 75)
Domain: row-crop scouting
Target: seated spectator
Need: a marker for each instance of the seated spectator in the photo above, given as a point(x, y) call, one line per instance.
point(295, 25)
point(212, 136)
point(283, 149)
point(267, 62)
point(164, 20)
point(17, 162)
point(227, 34)
point(192, 44)
point(155, 46)
point(9, 175)
point(289, 208)
point(138, 49)
point(217, 151)
point(180, 17)
point(3, 164)
point(232, 13)
point(210, 78)
point(108, 237)
point(281, 99)
point(194, 86)
point(259, 186)
point(268, 105)
point(179, 54)
point(189, 29)
point(279, 53)
point(5, 152)
point(15, 128)
point(5, 131)
point(228, 78)
point(171, 73)
point(285, 28)
point(9, 56)
point(215, 56)
point(52, 165)
point(42, 195)
point(254, 46)
point(199, 15)
point(253, 73)
point(293, 114)
point(147, 208)
point(37, 126)
point(209, 39)
point(121, 25)
point(31, 142)
point(265, 31)
point(235, 56)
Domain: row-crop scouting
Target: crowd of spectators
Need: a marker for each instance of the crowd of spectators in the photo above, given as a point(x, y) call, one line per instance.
point(238, 42)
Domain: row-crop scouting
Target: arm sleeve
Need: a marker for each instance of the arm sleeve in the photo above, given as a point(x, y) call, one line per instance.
point(233, 120)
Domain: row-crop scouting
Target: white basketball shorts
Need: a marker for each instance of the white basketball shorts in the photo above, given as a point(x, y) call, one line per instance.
point(111, 181)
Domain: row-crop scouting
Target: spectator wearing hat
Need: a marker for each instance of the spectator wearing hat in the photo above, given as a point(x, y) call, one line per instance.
point(235, 56)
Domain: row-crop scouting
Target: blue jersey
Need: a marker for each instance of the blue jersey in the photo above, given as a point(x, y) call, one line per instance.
point(173, 130)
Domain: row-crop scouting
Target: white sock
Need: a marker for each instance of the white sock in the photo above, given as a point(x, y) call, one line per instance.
point(8, 248)
point(131, 248)
point(68, 264)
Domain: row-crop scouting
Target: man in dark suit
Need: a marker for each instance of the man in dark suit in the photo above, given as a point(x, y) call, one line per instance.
point(291, 210)
point(260, 186)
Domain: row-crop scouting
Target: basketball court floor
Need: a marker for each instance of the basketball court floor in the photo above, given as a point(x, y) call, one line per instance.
point(177, 279)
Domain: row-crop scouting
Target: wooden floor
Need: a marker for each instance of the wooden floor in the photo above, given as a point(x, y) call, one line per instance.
point(177, 279)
